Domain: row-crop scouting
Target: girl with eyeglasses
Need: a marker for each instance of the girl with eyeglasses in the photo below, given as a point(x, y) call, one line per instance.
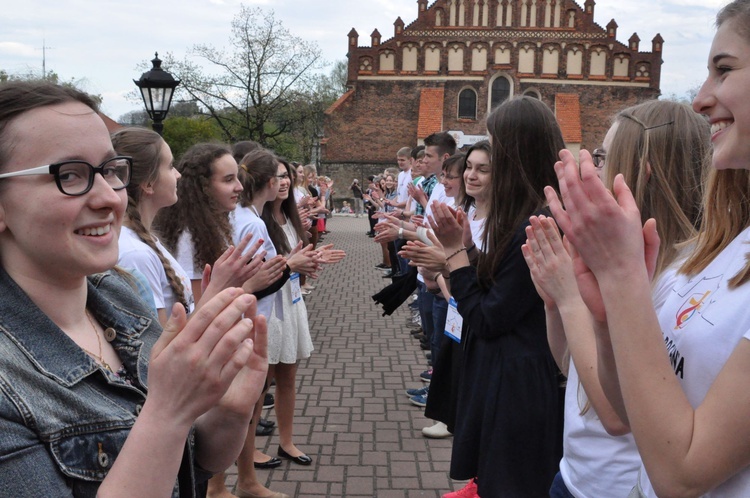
point(682, 372)
point(95, 399)
point(660, 149)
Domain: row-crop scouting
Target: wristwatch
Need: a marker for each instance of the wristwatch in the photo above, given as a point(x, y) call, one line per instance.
point(400, 233)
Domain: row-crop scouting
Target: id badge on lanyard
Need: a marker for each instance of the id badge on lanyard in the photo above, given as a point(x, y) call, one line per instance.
point(296, 289)
point(453, 322)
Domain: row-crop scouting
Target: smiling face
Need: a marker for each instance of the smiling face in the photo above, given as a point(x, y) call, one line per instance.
point(477, 175)
point(45, 234)
point(225, 187)
point(389, 182)
point(284, 183)
point(451, 180)
point(165, 186)
point(723, 98)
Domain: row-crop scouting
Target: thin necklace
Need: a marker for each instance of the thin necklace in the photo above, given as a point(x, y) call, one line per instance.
point(98, 357)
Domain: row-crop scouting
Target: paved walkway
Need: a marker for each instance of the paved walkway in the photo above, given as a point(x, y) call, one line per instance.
point(353, 417)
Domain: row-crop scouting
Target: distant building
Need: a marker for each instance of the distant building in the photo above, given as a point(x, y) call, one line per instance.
point(459, 58)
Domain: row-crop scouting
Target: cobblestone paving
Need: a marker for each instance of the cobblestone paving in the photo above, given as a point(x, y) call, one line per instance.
point(352, 416)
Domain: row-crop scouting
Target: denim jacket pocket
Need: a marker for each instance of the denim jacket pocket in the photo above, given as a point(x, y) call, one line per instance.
point(89, 455)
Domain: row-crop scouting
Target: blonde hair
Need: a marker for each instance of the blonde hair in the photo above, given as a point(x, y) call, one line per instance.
point(661, 148)
point(726, 205)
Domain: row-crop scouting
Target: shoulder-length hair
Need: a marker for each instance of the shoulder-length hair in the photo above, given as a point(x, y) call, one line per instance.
point(526, 140)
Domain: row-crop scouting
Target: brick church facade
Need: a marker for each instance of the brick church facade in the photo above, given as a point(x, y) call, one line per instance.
point(459, 58)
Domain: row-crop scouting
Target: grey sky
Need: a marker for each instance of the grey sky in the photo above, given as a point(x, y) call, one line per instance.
point(102, 41)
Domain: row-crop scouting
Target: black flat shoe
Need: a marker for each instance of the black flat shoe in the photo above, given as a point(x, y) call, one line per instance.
point(300, 460)
point(270, 464)
point(261, 430)
point(266, 423)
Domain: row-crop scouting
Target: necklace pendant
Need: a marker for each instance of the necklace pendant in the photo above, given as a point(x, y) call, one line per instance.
point(110, 334)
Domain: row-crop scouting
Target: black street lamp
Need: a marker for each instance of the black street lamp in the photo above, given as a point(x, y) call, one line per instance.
point(157, 87)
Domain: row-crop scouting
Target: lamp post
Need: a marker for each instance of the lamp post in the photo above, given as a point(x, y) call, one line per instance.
point(157, 87)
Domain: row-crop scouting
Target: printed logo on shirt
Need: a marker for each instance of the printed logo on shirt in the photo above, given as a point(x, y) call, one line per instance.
point(690, 308)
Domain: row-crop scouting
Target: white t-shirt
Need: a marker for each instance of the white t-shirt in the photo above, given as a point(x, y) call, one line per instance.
point(703, 321)
point(477, 228)
point(246, 220)
point(134, 253)
point(184, 256)
point(404, 179)
point(594, 463)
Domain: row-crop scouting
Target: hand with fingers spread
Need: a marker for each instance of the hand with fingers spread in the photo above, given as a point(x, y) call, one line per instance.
point(270, 271)
point(235, 266)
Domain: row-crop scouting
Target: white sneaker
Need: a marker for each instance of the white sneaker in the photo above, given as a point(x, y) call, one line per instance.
point(437, 431)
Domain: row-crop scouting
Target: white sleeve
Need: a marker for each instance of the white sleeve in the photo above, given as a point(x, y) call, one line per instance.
point(149, 265)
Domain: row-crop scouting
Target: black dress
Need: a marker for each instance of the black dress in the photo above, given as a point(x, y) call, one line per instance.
point(509, 420)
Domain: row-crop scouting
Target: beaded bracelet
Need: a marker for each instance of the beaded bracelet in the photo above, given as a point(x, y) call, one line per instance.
point(454, 254)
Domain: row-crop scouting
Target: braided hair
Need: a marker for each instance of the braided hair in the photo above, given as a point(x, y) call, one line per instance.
point(145, 147)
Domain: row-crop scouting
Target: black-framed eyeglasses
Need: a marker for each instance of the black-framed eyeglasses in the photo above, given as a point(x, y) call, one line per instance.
point(599, 156)
point(77, 177)
point(284, 176)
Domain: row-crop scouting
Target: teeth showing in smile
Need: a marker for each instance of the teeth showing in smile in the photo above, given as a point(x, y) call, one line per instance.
point(95, 231)
point(719, 125)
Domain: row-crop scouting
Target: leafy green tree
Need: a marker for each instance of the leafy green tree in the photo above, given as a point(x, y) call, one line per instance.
point(181, 132)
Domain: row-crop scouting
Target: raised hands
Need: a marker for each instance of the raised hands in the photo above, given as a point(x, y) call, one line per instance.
point(304, 260)
point(194, 363)
point(431, 258)
point(447, 223)
point(270, 271)
point(549, 262)
point(605, 229)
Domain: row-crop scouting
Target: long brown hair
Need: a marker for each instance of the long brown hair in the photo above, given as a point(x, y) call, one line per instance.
point(196, 211)
point(145, 147)
point(526, 140)
point(661, 149)
point(289, 209)
point(258, 168)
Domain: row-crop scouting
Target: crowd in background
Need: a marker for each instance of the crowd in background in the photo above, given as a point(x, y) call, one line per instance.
point(148, 304)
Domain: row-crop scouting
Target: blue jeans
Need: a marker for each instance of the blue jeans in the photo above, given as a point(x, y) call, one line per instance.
point(439, 315)
point(559, 489)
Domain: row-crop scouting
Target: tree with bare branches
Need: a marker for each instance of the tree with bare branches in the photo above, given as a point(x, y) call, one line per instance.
point(251, 89)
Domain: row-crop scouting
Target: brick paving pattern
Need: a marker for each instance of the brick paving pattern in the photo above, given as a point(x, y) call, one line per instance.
point(352, 415)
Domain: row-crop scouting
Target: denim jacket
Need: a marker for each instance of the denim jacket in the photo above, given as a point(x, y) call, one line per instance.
point(64, 419)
